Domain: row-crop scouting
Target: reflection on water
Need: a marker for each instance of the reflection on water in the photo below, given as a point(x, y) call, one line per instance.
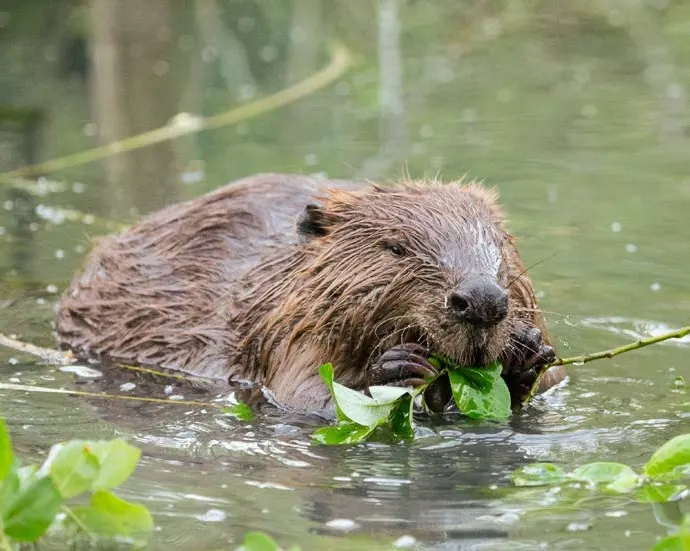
point(576, 112)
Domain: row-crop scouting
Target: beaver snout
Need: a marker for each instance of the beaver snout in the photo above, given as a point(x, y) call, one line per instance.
point(480, 302)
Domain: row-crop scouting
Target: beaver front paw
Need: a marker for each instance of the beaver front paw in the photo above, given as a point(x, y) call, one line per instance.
point(407, 365)
point(524, 360)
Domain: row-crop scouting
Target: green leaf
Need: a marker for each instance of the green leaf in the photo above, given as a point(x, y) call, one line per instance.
point(400, 418)
point(74, 468)
point(659, 494)
point(258, 541)
point(679, 541)
point(345, 432)
point(603, 472)
point(6, 455)
point(117, 460)
point(9, 491)
point(539, 474)
point(352, 405)
point(109, 516)
point(240, 411)
point(387, 393)
point(33, 511)
point(672, 454)
point(480, 393)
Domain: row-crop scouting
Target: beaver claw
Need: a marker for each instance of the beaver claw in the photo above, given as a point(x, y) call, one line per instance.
point(406, 365)
point(523, 362)
point(402, 365)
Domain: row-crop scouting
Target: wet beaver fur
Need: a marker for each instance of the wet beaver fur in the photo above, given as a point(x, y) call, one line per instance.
point(268, 277)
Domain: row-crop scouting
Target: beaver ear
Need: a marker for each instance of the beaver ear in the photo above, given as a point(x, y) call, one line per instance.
point(312, 223)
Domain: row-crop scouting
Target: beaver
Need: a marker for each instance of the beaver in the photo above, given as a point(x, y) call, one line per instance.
point(268, 277)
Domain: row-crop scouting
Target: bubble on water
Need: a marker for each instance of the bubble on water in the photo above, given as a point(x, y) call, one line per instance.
point(78, 187)
point(268, 53)
point(82, 371)
point(589, 111)
point(405, 542)
point(15, 380)
point(33, 226)
point(342, 524)
point(161, 68)
point(213, 515)
point(246, 24)
point(578, 527)
point(60, 254)
point(297, 35)
point(616, 514)
point(631, 247)
point(505, 95)
point(656, 286)
point(492, 27)
point(79, 249)
point(247, 92)
point(13, 361)
point(209, 53)
point(52, 288)
point(627, 533)
point(8, 205)
point(169, 389)
point(126, 387)
point(311, 159)
point(88, 219)
point(426, 131)
point(675, 91)
point(90, 129)
point(616, 227)
point(40, 301)
point(176, 397)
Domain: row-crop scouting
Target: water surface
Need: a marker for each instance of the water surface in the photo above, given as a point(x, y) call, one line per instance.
point(577, 114)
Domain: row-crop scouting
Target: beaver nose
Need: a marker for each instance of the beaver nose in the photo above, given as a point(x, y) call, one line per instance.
point(480, 302)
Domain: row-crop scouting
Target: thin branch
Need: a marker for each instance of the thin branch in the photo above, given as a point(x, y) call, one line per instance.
point(184, 124)
point(47, 390)
point(584, 358)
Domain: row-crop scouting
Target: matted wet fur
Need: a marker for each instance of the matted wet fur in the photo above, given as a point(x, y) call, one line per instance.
point(268, 277)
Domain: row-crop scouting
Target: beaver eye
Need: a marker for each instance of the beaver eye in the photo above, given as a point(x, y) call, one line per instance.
point(396, 249)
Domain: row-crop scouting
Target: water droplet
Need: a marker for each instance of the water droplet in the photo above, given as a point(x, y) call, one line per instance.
point(631, 247)
point(342, 524)
point(60, 254)
point(213, 515)
point(52, 288)
point(126, 387)
point(656, 286)
point(426, 131)
point(616, 227)
point(405, 542)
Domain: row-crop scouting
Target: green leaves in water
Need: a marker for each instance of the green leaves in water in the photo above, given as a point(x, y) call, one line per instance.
point(31, 498)
point(669, 463)
point(240, 411)
point(680, 541)
point(479, 393)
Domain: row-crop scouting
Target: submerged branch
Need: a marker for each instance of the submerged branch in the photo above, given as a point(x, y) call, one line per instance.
point(184, 124)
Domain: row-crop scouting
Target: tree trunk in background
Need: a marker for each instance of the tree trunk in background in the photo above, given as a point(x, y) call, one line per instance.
point(391, 102)
point(134, 49)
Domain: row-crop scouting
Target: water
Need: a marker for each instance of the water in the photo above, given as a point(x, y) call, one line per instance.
point(578, 114)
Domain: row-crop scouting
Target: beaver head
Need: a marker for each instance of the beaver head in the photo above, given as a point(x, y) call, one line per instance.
point(425, 263)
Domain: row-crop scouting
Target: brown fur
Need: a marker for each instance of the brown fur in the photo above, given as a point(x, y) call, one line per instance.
point(223, 286)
